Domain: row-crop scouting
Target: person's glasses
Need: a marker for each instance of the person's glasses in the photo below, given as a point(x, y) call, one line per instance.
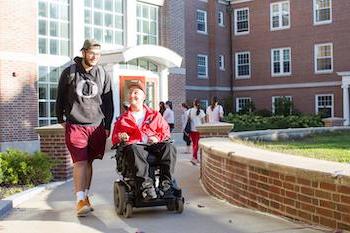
point(91, 53)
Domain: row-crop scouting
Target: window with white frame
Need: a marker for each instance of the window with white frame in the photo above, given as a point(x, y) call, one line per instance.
point(221, 62)
point(324, 58)
point(53, 27)
point(221, 18)
point(281, 61)
point(203, 104)
point(147, 23)
point(324, 105)
point(242, 65)
point(202, 66)
point(279, 103)
point(201, 21)
point(47, 91)
point(104, 21)
point(279, 15)
point(242, 103)
point(322, 11)
point(241, 17)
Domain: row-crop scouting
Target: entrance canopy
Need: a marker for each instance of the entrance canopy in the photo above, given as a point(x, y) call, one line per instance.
point(157, 54)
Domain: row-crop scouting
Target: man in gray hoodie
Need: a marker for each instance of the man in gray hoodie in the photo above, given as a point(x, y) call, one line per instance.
point(84, 106)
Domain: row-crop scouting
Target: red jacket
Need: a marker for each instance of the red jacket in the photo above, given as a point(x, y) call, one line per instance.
point(153, 125)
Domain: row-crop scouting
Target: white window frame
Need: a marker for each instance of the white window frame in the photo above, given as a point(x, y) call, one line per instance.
point(221, 19)
point(205, 22)
point(221, 62)
point(236, 21)
point(280, 27)
point(205, 103)
point(237, 102)
point(140, 19)
point(317, 106)
point(315, 58)
point(324, 21)
point(236, 66)
point(206, 66)
point(273, 100)
point(281, 74)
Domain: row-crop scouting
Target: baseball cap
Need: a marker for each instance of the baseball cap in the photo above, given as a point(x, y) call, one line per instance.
point(137, 84)
point(88, 43)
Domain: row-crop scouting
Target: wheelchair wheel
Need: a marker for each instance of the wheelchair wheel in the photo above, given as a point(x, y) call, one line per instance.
point(119, 197)
point(179, 205)
point(171, 205)
point(128, 211)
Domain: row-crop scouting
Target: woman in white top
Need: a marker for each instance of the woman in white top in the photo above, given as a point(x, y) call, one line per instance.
point(215, 112)
point(197, 115)
point(168, 115)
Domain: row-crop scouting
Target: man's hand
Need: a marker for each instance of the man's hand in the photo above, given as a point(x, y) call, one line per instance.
point(152, 140)
point(124, 137)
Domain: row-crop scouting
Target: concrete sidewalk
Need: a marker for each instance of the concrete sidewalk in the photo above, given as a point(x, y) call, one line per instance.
point(53, 210)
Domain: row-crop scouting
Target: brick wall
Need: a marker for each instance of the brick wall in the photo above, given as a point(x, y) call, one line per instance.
point(177, 94)
point(309, 196)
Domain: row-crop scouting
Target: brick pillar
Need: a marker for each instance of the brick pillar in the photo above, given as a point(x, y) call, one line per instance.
point(52, 142)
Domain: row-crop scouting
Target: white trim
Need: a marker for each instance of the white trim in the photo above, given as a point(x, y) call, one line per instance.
point(239, 1)
point(325, 21)
point(206, 88)
point(281, 74)
point(206, 66)
point(280, 3)
point(237, 102)
point(316, 46)
point(235, 22)
point(205, 22)
point(221, 62)
point(221, 19)
point(345, 86)
point(316, 103)
point(225, 2)
point(203, 0)
point(236, 66)
point(287, 86)
point(153, 2)
point(177, 70)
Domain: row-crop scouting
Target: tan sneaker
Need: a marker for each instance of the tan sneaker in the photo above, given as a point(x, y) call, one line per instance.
point(82, 209)
point(87, 201)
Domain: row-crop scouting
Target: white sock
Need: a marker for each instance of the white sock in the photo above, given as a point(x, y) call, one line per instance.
point(80, 196)
point(86, 192)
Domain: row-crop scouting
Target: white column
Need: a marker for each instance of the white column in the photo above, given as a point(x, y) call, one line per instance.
point(346, 103)
point(164, 85)
point(130, 25)
point(77, 21)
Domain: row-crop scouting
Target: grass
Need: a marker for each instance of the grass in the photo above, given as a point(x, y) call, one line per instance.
point(8, 191)
point(327, 146)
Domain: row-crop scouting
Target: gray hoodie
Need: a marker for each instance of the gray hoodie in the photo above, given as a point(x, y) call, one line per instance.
point(83, 99)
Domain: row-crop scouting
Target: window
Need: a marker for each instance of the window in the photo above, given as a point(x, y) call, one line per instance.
point(282, 105)
point(242, 103)
point(242, 65)
point(203, 104)
point(221, 62)
point(202, 66)
point(53, 27)
point(139, 64)
point(324, 105)
point(324, 58)
point(47, 91)
point(281, 62)
point(147, 24)
point(279, 15)
point(202, 21)
point(104, 21)
point(241, 21)
point(221, 19)
point(322, 11)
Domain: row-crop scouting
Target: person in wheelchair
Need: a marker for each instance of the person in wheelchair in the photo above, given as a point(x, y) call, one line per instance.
point(141, 125)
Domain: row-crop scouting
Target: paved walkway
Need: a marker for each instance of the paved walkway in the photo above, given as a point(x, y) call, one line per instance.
point(53, 210)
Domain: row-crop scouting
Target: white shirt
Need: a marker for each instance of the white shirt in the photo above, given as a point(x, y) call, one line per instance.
point(139, 118)
point(215, 114)
point(196, 120)
point(168, 115)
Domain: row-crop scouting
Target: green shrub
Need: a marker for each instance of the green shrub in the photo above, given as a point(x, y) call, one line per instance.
point(21, 168)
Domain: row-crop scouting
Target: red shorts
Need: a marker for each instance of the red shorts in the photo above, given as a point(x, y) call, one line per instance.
point(85, 143)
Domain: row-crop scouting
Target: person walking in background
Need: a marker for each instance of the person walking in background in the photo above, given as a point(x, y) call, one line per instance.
point(196, 115)
point(84, 107)
point(161, 107)
point(215, 112)
point(169, 115)
point(186, 136)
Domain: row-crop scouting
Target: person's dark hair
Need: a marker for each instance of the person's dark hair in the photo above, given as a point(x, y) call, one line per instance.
point(170, 104)
point(196, 104)
point(161, 107)
point(214, 101)
point(184, 105)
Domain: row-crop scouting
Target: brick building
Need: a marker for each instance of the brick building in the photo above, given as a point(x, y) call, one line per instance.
point(141, 40)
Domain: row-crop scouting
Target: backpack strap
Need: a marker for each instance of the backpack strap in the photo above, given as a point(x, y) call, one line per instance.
point(102, 75)
point(72, 70)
